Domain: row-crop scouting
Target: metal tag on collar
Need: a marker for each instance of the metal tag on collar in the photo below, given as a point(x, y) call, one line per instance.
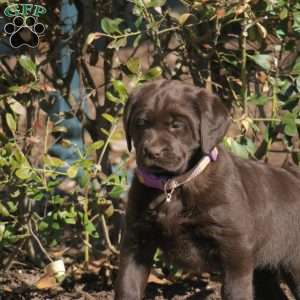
point(169, 188)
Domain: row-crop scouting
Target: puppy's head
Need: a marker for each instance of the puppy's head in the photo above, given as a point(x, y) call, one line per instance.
point(172, 125)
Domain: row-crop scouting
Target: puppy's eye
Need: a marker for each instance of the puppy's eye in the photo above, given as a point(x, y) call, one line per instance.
point(177, 125)
point(140, 122)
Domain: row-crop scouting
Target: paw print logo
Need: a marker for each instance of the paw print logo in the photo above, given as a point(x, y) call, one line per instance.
point(24, 31)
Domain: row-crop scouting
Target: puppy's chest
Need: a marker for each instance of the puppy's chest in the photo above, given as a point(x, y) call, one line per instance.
point(183, 242)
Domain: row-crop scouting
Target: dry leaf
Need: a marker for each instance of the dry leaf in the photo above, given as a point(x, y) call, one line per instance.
point(47, 281)
point(154, 279)
point(220, 13)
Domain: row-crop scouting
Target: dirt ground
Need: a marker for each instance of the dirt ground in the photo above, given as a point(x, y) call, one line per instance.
point(19, 284)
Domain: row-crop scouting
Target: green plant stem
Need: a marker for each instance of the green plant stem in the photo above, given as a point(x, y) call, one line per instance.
point(244, 90)
point(112, 130)
point(86, 233)
point(266, 120)
point(159, 32)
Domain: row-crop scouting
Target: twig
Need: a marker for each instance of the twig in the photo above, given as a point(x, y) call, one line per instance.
point(106, 236)
point(39, 242)
point(244, 90)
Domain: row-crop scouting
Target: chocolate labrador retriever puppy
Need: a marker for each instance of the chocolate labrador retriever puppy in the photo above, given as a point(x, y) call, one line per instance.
point(204, 207)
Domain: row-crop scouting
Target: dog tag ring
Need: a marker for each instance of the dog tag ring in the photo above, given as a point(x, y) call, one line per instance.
point(169, 196)
point(171, 190)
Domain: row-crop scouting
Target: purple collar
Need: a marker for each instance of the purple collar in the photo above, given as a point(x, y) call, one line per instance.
point(165, 183)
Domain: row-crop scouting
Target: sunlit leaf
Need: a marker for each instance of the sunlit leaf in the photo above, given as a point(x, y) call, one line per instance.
point(23, 173)
point(108, 117)
point(27, 64)
point(118, 43)
point(94, 146)
point(134, 65)
point(120, 88)
point(183, 18)
point(53, 161)
point(72, 171)
point(290, 126)
point(3, 210)
point(16, 106)
point(263, 60)
point(296, 67)
point(111, 26)
point(153, 73)
point(155, 3)
point(11, 122)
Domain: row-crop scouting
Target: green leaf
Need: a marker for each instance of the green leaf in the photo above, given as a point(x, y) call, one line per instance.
point(290, 126)
point(59, 129)
point(2, 230)
point(72, 171)
point(155, 3)
point(118, 43)
point(11, 123)
point(262, 100)
point(263, 60)
point(104, 131)
point(94, 146)
point(236, 148)
point(296, 67)
point(108, 117)
point(112, 98)
point(120, 88)
point(27, 64)
point(153, 73)
point(116, 192)
point(23, 173)
point(183, 18)
point(84, 179)
point(43, 226)
point(89, 227)
point(16, 106)
point(109, 211)
point(134, 65)
point(284, 13)
point(55, 226)
point(137, 41)
point(71, 221)
point(4, 211)
point(296, 19)
point(111, 26)
point(53, 161)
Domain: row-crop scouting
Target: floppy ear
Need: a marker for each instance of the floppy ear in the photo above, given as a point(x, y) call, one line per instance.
point(214, 120)
point(127, 119)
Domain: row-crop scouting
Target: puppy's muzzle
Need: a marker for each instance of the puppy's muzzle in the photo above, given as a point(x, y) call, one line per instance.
point(154, 152)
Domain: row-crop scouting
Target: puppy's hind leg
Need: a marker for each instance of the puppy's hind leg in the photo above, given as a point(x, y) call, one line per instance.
point(267, 285)
point(292, 278)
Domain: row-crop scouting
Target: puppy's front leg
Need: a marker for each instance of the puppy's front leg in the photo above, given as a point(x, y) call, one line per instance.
point(238, 278)
point(135, 264)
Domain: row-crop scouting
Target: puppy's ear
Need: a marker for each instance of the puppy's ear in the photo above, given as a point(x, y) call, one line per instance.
point(214, 120)
point(127, 119)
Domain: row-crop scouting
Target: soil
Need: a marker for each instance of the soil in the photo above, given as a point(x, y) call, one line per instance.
point(19, 284)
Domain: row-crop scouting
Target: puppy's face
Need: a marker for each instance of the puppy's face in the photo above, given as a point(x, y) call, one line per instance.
point(168, 123)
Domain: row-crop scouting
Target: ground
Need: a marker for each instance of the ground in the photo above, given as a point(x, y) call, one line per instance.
point(19, 284)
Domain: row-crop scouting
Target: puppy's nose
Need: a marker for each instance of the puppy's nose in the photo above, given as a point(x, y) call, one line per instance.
point(153, 152)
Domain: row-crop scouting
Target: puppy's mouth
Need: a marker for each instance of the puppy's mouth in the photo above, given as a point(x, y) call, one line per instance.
point(161, 168)
point(159, 171)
